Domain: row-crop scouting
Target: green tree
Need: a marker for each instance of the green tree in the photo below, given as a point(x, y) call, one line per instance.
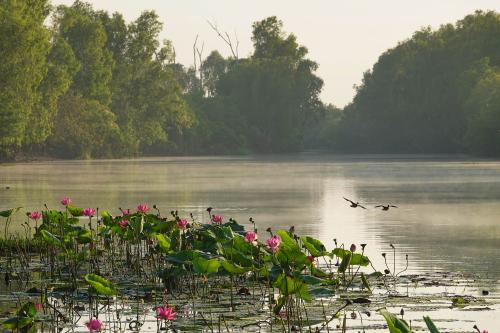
point(414, 98)
point(212, 69)
point(147, 97)
point(82, 29)
point(85, 128)
point(483, 130)
point(24, 45)
point(275, 91)
point(62, 65)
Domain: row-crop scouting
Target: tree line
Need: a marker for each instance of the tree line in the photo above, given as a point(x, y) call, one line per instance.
point(437, 92)
point(76, 82)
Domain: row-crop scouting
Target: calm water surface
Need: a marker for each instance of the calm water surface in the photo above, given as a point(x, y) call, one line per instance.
point(448, 216)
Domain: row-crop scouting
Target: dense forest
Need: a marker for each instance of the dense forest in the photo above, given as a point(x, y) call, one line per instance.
point(76, 82)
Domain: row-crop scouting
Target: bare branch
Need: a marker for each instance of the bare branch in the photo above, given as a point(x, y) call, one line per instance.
point(194, 52)
point(237, 44)
point(226, 38)
point(200, 58)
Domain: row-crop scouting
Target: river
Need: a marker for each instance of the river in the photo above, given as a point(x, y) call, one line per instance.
point(448, 215)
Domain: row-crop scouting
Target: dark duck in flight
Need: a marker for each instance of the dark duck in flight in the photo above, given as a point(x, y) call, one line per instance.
point(385, 207)
point(354, 204)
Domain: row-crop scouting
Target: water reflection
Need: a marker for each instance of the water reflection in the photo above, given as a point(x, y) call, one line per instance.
point(448, 217)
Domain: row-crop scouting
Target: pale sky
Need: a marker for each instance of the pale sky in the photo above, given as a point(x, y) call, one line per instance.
point(345, 37)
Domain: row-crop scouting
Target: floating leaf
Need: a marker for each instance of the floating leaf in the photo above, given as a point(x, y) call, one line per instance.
point(51, 238)
point(107, 219)
point(17, 322)
point(233, 268)
point(10, 212)
point(365, 282)
point(163, 243)
point(395, 324)
point(84, 236)
point(356, 258)
point(290, 286)
point(206, 266)
point(346, 261)
point(75, 211)
point(100, 284)
point(430, 325)
point(314, 246)
point(279, 305)
point(309, 279)
point(286, 240)
point(28, 309)
point(322, 292)
point(183, 257)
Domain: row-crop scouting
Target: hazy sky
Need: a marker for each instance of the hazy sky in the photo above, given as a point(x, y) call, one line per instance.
point(344, 36)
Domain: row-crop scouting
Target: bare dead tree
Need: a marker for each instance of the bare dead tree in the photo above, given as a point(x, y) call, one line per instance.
point(226, 38)
point(200, 59)
point(194, 52)
point(197, 52)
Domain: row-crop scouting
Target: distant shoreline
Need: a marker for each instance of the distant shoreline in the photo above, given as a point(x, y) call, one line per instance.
point(302, 154)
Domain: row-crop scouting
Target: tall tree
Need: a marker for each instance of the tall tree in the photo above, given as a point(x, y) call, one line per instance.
point(414, 98)
point(147, 97)
point(483, 128)
point(275, 90)
point(82, 29)
point(24, 46)
point(213, 68)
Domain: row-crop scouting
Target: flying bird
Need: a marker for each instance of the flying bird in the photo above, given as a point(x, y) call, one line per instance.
point(354, 204)
point(386, 207)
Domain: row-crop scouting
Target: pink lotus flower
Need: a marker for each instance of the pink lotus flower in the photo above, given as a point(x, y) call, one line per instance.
point(251, 236)
point(38, 307)
point(123, 224)
point(485, 331)
point(125, 212)
point(274, 243)
point(353, 248)
point(94, 325)
point(217, 218)
point(143, 208)
point(310, 258)
point(165, 312)
point(66, 201)
point(35, 215)
point(182, 223)
point(89, 212)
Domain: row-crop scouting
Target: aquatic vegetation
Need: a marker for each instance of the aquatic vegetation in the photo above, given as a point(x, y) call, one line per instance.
point(251, 236)
point(274, 243)
point(94, 325)
point(35, 215)
point(187, 275)
point(165, 312)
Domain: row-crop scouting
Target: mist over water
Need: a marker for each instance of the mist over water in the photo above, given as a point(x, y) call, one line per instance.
point(448, 215)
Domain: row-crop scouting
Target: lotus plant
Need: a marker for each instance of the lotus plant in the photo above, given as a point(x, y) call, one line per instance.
point(251, 236)
point(123, 224)
point(66, 201)
point(274, 243)
point(166, 313)
point(142, 208)
point(94, 325)
point(89, 212)
point(217, 219)
point(35, 215)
